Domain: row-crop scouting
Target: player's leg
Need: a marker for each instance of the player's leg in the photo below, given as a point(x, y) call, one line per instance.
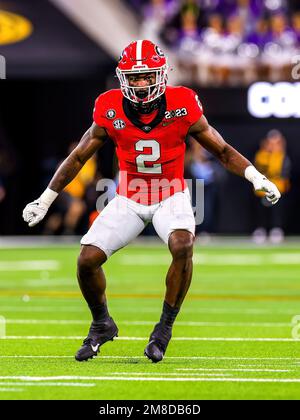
point(175, 224)
point(92, 283)
point(91, 278)
point(179, 275)
point(178, 281)
point(114, 228)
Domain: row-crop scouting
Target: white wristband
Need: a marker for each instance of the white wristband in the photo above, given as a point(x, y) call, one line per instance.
point(48, 197)
point(251, 173)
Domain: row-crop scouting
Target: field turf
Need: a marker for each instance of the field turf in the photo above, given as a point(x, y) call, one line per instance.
point(234, 338)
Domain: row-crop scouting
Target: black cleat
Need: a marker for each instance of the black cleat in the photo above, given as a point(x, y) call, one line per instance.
point(99, 333)
point(158, 343)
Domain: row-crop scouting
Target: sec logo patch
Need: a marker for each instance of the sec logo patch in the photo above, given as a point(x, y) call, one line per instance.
point(119, 124)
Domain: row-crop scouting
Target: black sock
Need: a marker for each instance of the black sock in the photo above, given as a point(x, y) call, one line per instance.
point(168, 315)
point(99, 312)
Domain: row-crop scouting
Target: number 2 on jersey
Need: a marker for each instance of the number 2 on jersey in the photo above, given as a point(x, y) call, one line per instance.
point(153, 157)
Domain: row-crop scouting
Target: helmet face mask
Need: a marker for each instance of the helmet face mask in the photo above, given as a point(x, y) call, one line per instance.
point(153, 91)
point(142, 58)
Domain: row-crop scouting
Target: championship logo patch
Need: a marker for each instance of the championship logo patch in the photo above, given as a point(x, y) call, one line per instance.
point(110, 114)
point(119, 124)
point(198, 102)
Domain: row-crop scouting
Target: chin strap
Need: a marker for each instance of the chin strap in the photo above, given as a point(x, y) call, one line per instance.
point(146, 108)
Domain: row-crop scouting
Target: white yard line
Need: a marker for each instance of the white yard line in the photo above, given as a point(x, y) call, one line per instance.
point(169, 374)
point(68, 337)
point(144, 323)
point(146, 259)
point(242, 311)
point(28, 307)
point(215, 259)
point(214, 324)
point(73, 384)
point(266, 365)
point(145, 378)
point(47, 322)
point(41, 337)
point(30, 265)
point(42, 282)
point(232, 370)
point(11, 389)
point(269, 339)
point(31, 356)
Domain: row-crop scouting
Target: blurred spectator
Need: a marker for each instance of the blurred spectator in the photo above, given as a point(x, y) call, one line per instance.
point(272, 160)
point(70, 206)
point(221, 56)
point(274, 6)
point(7, 159)
point(186, 22)
point(191, 6)
point(156, 13)
point(260, 34)
point(248, 10)
point(212, 40)
point(2, 191)
point(221, 42)
point(159, 9)
point(278, 51)
point(296, 26)
point(229, 66)
point(7, 164)
point(188, 40)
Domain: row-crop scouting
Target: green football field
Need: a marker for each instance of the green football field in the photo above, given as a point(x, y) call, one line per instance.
point(235, 337)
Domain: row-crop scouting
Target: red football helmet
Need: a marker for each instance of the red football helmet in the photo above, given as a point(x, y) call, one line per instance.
point(142, 56)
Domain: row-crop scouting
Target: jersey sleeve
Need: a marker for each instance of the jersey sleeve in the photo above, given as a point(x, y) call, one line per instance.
point(99, 112)
point(194, 107)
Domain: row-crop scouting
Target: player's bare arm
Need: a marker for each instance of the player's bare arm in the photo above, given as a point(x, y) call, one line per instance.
point(231, 159)
point(212, 140)
point(90, 142)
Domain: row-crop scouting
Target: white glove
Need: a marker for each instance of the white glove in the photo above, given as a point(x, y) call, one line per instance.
point(261, 183)
point(35, 212)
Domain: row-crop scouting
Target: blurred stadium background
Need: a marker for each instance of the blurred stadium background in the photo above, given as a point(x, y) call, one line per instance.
point(242, 57)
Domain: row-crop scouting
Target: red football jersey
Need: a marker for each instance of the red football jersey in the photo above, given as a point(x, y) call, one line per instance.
point(150, 148)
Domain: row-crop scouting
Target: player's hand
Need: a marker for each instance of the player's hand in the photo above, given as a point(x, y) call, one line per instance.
point(261, 183)
point(272, 192)
point(35, 212)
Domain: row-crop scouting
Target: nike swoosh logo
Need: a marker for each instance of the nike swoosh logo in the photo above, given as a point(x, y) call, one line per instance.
point(95, 348)
point(164, 124)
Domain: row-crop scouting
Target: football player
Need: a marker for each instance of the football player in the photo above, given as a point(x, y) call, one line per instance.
point(148, 122)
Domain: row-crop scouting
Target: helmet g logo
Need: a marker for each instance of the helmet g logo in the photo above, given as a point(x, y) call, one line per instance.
point(159, 51)
point(121, 56)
